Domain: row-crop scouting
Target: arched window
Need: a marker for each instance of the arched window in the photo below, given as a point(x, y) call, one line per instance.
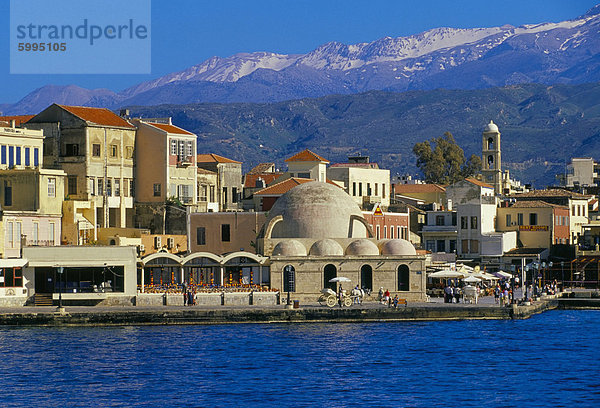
point(329, 272)
point(490, 160)
point(366, 277)
point(403, 278)
point(289, 278)
point(490, 143)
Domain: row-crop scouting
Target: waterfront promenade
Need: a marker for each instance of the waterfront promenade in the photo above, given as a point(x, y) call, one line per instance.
point(368, 312)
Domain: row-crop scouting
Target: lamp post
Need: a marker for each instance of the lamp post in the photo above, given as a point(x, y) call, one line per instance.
point(562, 269)
point(60, 308)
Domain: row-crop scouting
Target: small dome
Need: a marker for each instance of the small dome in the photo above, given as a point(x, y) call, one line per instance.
point(398, 247)
point(491, 127)
point(289, 247)
point(326, 247)
point(362, 247)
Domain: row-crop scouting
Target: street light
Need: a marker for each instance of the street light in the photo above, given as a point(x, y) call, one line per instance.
point(60, 272)
point(562, 269)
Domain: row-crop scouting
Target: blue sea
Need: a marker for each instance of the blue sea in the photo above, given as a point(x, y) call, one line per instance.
point(550, 360)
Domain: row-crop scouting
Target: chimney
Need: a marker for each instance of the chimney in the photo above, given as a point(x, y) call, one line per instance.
point(13, 123)
point(124, 113)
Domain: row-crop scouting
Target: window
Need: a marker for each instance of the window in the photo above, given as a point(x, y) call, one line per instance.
point(464, 222)
point(430, 245)
point(473, 222)
point(11, 160)
point(117, 188)
point(36, 157)
point(201, 236)
point(452, 245)
point(465, 246)
point(7, 194)
point(520, 219)
point(129, 152)
point(72, 185)
point(385, 231)
point(100, 186)
point(92, 186)
point(157, 190)
point(125, 188)
point(3, 154)
point(399, 232)
point(360, 189)
point(18, 156)
point(212, 194)
point(474, 246)
point(225, 233)
point(368, 189)
point(51, 233)
point(533, 219)
point(289, 278)
point(109, 187)
point(132, 188)
point(190, 149)
point(234, 198)
point(114, 150)
point(572, 211)
point(224, 197)
point(383, 190)
point(441, 245)
point(439, 220)
point(71, 149)
point(508, 220)
point(174, 146)
point(304, 175)
point(378, 234)
point(454, 218)
point(354, 188)
point(391, 232)
point(203, 190)
point(403, 278)
point(376, 189)
point(18, 229)
point(11, 277)
point(9, 234)
point(96, 150)
point(27, 156)
point(51, 187)
point(36, 232)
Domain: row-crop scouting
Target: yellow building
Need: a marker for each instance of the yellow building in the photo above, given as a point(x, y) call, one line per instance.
point(95, 148)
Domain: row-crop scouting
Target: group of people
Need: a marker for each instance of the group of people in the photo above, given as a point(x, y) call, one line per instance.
point(189, 295)
point(385, 298)
point(357, 295)
point(452, 294)
point(503, 293)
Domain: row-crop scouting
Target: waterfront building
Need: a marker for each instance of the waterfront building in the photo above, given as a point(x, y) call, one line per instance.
point(576, 203)
point(440, 231)
point(31, 196)
point(207, 190)
point(95, 148)
point(388, 225)
point(316, 232)
point(229, 179)
point(538, 224)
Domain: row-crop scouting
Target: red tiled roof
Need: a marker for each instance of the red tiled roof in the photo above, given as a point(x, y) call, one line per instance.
point(97, 116)
point(478, 182)
point(250, 179)
point(19, 119)
point(307, 156)
point(214, 158)
point(550, 193)
point(170, 128)
point(537, 204)
point(283, 187)
point(262, 168)
point(418, 188)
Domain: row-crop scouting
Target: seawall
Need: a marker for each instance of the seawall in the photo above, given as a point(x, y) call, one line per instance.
point(122, 316)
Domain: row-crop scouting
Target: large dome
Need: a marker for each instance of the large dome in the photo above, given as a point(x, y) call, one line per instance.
point(316, 210)
point(289, 247)
point(326, 247)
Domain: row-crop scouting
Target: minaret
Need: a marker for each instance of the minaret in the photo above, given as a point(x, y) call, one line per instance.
point(491, 163)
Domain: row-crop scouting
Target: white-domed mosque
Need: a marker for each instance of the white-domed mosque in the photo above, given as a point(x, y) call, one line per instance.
point(316, 232)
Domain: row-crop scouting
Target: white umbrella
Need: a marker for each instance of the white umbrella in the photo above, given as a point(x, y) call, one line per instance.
point(340, 279)
point(446, 274)
point(484, 275)
point(503, 274)
point(471, 279)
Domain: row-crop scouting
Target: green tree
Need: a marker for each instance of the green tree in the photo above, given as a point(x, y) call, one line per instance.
point(442, 161)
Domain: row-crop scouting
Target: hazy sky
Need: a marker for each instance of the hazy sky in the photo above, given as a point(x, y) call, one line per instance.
point(186, 32)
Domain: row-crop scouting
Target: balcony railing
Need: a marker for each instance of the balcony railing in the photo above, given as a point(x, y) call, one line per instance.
point(40, 242)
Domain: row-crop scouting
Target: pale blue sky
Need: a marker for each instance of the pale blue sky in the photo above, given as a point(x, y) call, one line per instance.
point(186, 32)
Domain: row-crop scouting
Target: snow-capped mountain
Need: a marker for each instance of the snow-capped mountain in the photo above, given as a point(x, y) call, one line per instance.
point(563, 52)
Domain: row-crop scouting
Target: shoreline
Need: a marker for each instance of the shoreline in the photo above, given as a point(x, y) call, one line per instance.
point(372, 313)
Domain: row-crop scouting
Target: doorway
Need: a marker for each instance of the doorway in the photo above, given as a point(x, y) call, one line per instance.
point(366, 277)
point(329, 272)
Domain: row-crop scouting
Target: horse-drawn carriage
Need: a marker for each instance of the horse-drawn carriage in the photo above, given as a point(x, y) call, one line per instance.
point(328, 297)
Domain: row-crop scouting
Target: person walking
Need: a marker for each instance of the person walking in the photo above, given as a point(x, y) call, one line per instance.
point(386, 297)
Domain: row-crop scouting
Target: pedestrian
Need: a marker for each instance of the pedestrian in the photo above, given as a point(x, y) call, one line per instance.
point(356, 296)
point(380, 295)
point(386, 297)
point(497, 294)
point(447, 294)
point(184, 289)
point(395, 301)
point(456, 294)
point(341, 295)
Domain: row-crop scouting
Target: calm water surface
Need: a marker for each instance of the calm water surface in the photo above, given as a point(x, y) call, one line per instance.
point(550, 360)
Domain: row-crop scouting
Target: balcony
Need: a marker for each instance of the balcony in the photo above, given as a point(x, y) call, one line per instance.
point(184, 161)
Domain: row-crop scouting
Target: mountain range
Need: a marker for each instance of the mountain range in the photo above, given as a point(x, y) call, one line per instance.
point(566, 52)
point(542, 126)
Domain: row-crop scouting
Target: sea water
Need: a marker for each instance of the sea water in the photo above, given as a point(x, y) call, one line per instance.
point(549, 360)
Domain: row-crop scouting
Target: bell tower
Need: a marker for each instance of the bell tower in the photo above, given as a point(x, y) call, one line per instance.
point(491, 162)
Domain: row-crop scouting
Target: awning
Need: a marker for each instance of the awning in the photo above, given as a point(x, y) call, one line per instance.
point(13, 263)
